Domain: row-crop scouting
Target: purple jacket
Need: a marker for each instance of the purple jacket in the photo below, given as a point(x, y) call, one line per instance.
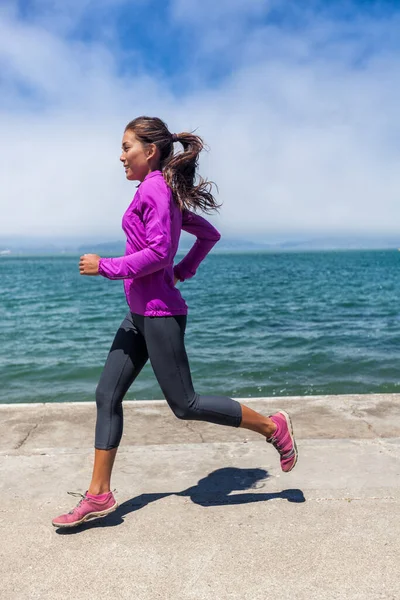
point(153, 224)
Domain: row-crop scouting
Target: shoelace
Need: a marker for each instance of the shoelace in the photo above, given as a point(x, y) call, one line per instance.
point(82, 498)
point(78, 495)
point(272, 440)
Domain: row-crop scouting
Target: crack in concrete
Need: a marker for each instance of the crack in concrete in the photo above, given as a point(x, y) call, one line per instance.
point(187, 423)
point(351, 498)
point(357, 413)
point(392, 451)
point(22, 442)
point(200, 570)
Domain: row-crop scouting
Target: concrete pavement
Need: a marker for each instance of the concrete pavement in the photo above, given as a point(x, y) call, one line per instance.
point(205, 512)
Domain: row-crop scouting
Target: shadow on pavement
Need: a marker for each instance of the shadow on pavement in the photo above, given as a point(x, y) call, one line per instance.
point(212, 490)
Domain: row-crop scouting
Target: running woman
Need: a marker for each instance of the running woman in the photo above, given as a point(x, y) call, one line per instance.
point(154, 327)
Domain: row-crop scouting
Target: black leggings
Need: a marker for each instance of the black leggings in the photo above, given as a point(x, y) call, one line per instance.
point(162, 340)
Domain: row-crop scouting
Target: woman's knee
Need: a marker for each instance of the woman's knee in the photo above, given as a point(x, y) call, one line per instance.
point(103, 397)
point(184, 414)
point(186, 411)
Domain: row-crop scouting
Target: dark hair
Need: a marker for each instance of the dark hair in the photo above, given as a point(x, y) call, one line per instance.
point(179, 169)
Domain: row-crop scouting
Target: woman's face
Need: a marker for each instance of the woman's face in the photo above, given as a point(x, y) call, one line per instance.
point(135, 157)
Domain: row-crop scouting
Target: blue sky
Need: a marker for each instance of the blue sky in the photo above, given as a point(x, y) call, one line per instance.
point(298, 101)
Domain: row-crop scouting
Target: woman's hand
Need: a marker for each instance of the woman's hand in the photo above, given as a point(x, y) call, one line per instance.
point(89, 264)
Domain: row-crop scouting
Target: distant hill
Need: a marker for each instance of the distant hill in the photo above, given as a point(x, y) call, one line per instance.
point(342, 243)
point(19, 246)
point(118, 248)
point(227, 244)
point(112, 248)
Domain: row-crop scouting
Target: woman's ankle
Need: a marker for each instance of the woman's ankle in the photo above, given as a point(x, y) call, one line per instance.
point(257, 422)
point(270, 428)
point(98, 489)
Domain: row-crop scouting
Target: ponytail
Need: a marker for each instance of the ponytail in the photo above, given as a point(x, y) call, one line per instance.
point(180, 169)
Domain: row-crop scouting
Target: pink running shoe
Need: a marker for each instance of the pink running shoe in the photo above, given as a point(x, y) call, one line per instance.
point(283, 440)
point(86, 509)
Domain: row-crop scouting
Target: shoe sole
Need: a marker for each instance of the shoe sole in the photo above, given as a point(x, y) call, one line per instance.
point(290, 429)
point(88, 517)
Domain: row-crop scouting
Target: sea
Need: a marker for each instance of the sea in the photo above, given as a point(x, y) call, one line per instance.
point(260, 324)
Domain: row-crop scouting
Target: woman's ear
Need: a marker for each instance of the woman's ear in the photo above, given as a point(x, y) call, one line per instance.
point(151, 151)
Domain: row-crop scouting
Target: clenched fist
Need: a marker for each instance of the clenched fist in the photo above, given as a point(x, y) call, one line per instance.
point(89, 264)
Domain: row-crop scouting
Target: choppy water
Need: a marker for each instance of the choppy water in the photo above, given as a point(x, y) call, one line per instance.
point(259, 325)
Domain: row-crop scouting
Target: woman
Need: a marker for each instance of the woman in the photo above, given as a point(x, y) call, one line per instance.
point(154, 327)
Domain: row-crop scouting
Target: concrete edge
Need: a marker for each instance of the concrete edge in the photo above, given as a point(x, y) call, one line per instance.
point(275, 399)
point(392, 442)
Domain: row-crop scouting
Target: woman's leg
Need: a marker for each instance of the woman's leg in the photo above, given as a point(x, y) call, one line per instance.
point(102, 469)
point(165, 342)
point(125, 360)
point(127, 357)
point(166, 347)
point(257, 422)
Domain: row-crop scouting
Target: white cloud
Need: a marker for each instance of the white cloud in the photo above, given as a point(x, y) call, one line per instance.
point(300, 139)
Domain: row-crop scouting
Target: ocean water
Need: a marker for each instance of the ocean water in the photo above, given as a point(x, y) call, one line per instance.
point(260, 324)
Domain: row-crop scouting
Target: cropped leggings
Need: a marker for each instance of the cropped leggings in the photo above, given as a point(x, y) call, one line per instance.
point(160, 339)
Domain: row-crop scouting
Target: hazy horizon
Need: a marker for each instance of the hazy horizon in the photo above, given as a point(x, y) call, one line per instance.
point(102, 245)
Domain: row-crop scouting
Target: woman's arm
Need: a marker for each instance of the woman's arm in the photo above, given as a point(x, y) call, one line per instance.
point(207, 236)
point(157, 221)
